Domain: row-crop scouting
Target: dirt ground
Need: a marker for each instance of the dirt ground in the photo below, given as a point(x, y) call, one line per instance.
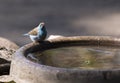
point(62, 17)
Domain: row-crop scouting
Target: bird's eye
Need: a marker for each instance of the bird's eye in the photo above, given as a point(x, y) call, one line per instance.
point(42, 25)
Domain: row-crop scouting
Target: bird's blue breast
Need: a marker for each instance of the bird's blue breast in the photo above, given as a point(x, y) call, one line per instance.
point(42, 33)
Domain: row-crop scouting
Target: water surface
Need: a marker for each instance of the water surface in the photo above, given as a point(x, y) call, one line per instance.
point(80, 57)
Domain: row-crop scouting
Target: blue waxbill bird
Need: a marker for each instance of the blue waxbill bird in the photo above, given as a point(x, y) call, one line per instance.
point(38, 34)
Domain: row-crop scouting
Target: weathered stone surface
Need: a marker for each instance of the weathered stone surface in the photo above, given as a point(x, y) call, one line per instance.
point(7, 48)
point(5, 78)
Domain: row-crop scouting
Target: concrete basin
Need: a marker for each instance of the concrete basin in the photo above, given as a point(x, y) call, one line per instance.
point(24, 70)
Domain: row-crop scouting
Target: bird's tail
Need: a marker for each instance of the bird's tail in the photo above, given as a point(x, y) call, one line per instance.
point(26, 34)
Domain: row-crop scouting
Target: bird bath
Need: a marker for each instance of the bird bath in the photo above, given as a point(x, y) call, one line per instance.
point(78, 59)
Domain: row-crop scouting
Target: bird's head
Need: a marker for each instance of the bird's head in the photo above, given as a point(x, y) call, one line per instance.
point(41, 25)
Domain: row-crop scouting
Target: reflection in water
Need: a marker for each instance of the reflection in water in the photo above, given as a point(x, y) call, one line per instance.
point(79, 57)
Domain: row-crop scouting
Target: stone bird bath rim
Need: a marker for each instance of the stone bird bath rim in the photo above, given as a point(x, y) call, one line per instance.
point(26, 71)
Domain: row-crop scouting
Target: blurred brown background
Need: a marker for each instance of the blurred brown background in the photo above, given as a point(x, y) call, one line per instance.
point(62, 17)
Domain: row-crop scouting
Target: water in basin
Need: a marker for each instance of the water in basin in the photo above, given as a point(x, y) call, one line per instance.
point(80, 57)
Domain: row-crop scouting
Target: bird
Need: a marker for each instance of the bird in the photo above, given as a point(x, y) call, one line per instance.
point(37, 34)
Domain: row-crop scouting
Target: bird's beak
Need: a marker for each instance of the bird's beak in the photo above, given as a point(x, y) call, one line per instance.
point(42, 24)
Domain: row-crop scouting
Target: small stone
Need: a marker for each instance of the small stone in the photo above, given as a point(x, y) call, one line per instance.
point(5, 79)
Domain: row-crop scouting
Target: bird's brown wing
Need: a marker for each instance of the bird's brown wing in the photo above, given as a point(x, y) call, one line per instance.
point(33, 32)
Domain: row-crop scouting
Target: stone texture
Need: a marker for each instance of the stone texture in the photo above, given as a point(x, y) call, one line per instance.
point(7, 49)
